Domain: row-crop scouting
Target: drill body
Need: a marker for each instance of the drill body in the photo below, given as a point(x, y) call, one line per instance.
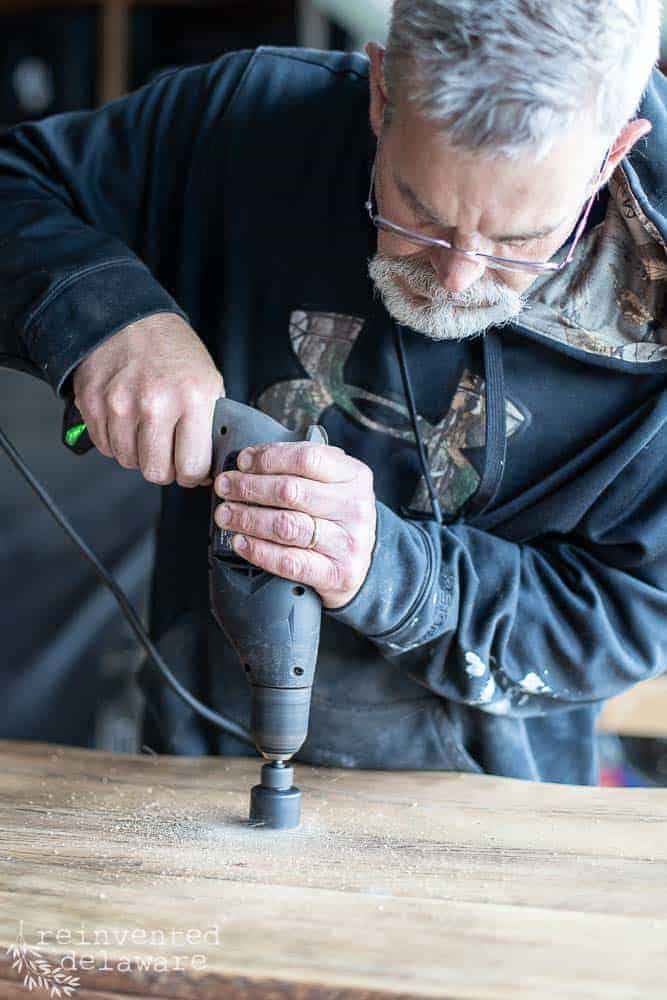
point(272, 623)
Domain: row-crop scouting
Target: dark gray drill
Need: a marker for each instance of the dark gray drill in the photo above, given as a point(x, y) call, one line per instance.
point(273, 624)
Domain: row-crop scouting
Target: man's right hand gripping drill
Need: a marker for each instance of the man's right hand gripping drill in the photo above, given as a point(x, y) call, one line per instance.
point(147, 395)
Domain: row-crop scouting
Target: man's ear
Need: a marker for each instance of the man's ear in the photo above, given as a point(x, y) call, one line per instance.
point(627, 138)
point(375, 54)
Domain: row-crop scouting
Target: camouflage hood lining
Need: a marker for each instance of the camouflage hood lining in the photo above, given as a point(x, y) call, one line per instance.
point(610, 302)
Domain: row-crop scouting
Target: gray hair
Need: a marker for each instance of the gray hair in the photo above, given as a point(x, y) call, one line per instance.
point(509, 75)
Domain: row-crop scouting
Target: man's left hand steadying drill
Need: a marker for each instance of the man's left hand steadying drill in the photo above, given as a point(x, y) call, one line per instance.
point(302, 511)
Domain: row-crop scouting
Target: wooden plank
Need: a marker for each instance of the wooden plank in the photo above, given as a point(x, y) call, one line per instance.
point(397, 884)
point(114, 49)
point(641, 711)
point(312, 26)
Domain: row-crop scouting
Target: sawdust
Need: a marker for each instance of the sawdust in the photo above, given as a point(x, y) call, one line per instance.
point(159, 841)
point(154, 829)
point(190, 831)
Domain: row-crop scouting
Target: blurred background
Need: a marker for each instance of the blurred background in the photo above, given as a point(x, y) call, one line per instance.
point(58, 58)
point(67, 660)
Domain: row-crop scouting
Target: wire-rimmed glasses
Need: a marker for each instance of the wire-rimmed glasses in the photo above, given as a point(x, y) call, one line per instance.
point(489, 260)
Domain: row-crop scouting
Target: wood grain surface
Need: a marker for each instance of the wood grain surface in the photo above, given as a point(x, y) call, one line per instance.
point(398, 884)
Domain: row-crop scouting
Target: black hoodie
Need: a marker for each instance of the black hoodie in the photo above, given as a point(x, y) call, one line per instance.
point(234, 194)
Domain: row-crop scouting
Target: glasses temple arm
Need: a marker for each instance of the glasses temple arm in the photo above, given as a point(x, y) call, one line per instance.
point(589, 208)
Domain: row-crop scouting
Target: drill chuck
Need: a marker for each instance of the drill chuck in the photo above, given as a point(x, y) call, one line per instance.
point(279, 720)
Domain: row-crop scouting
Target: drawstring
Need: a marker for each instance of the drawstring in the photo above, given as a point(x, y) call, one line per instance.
point(496, 431)
point(410, 400)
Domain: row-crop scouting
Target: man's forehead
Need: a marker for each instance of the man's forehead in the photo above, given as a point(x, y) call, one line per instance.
point(477, 191)
point(427, 213)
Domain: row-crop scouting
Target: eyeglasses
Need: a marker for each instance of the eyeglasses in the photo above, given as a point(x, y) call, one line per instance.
point(489, 260)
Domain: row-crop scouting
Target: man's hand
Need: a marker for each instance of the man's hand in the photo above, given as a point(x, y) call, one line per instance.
point(147, 395)
point(281, 494)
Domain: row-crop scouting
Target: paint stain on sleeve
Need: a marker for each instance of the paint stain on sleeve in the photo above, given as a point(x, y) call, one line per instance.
point(475, 667)
point(534, 684)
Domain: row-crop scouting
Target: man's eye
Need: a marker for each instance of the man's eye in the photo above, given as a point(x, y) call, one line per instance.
point(520, 244)
point(423, 223)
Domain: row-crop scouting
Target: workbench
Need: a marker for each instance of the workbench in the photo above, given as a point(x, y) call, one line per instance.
point(398, 884)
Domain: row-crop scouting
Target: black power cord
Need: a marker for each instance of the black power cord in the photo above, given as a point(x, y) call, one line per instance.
point(154, 658)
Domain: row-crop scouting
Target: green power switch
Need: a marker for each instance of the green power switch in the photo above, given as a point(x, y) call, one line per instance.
point(73, 434)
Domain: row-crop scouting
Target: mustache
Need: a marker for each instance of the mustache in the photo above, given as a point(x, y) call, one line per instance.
point(413, 295)
point(421, 277)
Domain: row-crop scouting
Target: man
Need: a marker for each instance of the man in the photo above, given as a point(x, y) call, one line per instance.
point(502, 370)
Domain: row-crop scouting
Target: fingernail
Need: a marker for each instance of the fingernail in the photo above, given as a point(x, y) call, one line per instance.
point(225, 514)
point(224, 485)
point(245, 461)
point(240, 543)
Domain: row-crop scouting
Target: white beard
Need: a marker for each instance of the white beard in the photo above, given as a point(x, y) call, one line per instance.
point(444, 315)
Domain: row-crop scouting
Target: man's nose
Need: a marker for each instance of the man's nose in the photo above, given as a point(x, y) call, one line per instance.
point(455, 272)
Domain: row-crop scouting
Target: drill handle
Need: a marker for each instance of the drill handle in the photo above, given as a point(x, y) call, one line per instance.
point(235, 427)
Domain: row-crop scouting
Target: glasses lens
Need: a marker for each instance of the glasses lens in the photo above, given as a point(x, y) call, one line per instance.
point(496, 264)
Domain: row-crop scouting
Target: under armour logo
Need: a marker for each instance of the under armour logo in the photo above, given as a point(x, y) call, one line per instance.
point(322, 342)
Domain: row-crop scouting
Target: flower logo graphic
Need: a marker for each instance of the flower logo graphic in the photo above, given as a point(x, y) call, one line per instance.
point(38, 973)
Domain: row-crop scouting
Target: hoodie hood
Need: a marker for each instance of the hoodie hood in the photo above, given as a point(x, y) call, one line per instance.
point(645, 167)
point(610, 303)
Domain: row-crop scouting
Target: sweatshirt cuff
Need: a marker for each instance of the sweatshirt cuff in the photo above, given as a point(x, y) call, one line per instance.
point(87, 309)
point(399, 585)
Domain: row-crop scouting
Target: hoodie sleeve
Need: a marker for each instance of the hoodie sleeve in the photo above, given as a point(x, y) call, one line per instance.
point(523, 628)
point(90, 204)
